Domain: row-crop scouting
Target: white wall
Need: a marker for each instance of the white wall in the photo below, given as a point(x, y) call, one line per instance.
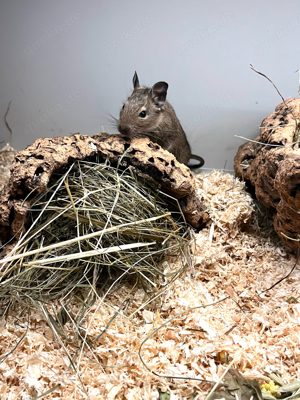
point(66, 65)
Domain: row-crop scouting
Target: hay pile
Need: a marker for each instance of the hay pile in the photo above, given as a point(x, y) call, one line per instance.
point(93, 222)
point(232, 262)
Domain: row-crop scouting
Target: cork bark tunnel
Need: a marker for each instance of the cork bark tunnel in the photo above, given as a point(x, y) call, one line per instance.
point(34, 166)
point(273, 169)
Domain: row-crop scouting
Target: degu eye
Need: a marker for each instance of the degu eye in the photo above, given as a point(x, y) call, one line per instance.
point(142, 114)
point(123, 106)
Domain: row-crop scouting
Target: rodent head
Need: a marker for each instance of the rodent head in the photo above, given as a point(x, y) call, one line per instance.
point(142, 111)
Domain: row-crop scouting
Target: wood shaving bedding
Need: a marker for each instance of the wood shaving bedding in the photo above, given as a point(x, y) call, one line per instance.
point(231, 258)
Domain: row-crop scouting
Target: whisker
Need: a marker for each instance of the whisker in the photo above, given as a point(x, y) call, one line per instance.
point(113, 124)
point(160, 136)
point(113, 118)
point(113, 121)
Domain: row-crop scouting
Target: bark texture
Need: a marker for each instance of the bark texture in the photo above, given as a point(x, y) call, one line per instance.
point(33, 167)
point(274, 171)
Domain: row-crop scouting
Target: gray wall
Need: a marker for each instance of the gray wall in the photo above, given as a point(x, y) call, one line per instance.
point(67, 65)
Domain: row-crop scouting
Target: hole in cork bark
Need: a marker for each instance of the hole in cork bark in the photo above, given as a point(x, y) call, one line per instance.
point(11, 216)
point(247, 161)
point(294, 191)
point(250, 188)
point(280, 144)
point(163, 161)
point(153, 146)
point(38, 171)
point(133, 151)
point(151, 160)
point(154, 172)
point(22, 191)
point(126, 147)
point(280, 157)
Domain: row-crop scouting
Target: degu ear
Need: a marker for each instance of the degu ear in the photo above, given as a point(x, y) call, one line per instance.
point(135, 81)
point(159, 93)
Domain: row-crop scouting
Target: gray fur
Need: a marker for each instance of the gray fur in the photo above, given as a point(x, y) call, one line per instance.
point(160, 125)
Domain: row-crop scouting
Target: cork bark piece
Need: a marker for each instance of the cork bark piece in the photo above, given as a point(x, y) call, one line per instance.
point(33, 167)
point(274, 171)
